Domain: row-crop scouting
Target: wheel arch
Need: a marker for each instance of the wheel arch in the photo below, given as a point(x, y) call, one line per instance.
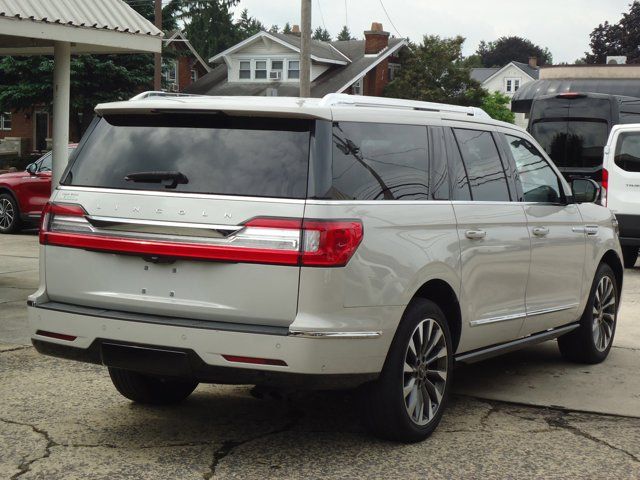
point(612, 259)
point(442, 294)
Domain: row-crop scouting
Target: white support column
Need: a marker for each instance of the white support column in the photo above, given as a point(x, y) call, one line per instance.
point(61, 99)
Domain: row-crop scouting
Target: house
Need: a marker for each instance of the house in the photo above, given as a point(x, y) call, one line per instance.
point(181, 64)
point(31, 129)
point(508, 80)
point(269, 64)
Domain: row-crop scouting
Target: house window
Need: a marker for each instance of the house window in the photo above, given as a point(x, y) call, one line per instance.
point(394, 68)
point(512, 85)
point(245, 70)
point(294, 69)
point(5, 121)
point(261, 69)
point(194, 75)
point(170, 71)
point(356, 88)
point(277, 66)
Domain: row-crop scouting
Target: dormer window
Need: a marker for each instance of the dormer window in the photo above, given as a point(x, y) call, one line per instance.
point(245, 70)
point(294, 70)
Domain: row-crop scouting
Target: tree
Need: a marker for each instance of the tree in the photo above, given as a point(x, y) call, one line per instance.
point(248, 26)
point(435, 71)
point(274, 29)
point(345, 34)
point(321, 34)
point(209, 25)
point(497, 106)
point(622, 38)
point(287, 28)
point(509, 49)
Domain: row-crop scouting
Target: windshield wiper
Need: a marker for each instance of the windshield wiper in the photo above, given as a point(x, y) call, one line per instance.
point(158, 177)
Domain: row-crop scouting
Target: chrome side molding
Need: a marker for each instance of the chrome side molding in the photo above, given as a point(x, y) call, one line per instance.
point(335, 335)
point(517, 316)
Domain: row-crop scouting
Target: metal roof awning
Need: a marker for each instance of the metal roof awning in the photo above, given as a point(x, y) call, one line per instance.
point(30, 27)
point(523, 98)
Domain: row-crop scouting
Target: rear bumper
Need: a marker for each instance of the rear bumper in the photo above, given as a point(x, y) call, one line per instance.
point(629, 229)
point(190, 350)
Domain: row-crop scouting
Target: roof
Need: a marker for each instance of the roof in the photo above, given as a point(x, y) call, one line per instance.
point(178, 36)
point(95, 26)
point(336, 80)
point(524, 96)
point(484, 74)
point(320, 51)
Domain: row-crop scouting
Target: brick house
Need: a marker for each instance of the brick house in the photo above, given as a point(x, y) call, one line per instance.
point(269, 64)
point(30, 130)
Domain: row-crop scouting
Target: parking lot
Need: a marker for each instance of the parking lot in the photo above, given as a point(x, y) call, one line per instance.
point(527, 414)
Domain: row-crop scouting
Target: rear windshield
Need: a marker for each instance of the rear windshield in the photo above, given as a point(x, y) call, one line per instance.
point(628, 152)
point(217, 154)
point(573, 144)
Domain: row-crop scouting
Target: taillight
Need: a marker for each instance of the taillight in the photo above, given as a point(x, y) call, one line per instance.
point(268, 240)
point(605, 187)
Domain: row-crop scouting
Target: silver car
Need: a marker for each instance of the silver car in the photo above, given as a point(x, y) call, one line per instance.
point(318, 243)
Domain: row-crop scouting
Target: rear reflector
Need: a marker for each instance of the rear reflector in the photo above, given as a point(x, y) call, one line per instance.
point(265, 240)
point(255, 361)
point(57, 336)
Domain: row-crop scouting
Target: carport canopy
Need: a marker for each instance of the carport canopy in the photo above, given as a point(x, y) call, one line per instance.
point(66, 27)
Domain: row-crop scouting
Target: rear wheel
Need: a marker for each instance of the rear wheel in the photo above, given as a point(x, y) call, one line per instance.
point(630, 256)
point(149, 389)
point(407, 402)
point(592, 341)
point(9, 214)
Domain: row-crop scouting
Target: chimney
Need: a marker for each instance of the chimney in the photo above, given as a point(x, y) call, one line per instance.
point(376, 39)
point(533, 62)
point(295, 30)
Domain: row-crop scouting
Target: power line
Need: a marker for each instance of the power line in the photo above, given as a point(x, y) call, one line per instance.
point(346, 14)
point(389, 18)
point(321, 14)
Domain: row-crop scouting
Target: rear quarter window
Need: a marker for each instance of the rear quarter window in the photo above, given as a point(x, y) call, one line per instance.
point(218, 154)
point(627, 155)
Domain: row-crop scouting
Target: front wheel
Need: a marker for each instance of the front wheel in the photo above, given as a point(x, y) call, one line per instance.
point(407, 402)
point(149, 389)
point(630, 256)
point(592, 341)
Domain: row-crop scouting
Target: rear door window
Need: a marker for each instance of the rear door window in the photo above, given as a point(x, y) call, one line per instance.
point(483, 164)
point(460, 188)
point(628, 151)
point(375, 161)
point(539, 181)
point(217, 154)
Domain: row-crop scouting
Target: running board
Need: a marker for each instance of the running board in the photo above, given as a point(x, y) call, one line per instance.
point(484, 353)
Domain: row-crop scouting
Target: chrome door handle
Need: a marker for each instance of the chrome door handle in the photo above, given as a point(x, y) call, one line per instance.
point(541, 231)
point(475, 234)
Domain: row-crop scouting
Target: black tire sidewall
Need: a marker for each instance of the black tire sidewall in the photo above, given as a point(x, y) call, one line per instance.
point(392, 376)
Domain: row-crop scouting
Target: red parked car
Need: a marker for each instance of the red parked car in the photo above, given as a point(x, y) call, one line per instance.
point(23, 195)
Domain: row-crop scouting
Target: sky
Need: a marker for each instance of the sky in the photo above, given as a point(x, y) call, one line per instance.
point(561, 25)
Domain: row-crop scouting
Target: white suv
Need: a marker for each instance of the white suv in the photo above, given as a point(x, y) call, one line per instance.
point(319, 243)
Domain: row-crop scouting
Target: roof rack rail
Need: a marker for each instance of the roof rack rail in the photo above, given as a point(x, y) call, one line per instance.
point(337, 99)
point(160, 94)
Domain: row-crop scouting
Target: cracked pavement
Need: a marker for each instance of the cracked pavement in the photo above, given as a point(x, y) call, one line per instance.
point(64, 420)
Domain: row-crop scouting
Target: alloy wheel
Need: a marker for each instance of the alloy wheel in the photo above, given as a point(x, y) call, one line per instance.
point(425, 371)
point(7, 213)
point(604, 313)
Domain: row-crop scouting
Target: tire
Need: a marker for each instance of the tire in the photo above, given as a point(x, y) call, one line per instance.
point(630, 256)
point(9, 214)
point(388, 413)
point(591, 342)
point(150, 390)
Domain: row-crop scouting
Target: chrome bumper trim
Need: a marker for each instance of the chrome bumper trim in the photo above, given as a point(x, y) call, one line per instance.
point(335, 335)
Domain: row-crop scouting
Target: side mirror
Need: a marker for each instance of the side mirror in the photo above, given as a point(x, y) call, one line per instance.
point(585, 190)
point(32, 168)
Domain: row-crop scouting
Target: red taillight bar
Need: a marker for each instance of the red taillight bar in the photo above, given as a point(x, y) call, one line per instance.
point(324, 243)
point(57, 336)
point(254, 360)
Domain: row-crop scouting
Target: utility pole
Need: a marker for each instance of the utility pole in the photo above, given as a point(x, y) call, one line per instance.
point(305, 49)
point(157, 74)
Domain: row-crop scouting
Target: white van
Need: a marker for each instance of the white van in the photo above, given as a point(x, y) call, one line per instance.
point(621, 186)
